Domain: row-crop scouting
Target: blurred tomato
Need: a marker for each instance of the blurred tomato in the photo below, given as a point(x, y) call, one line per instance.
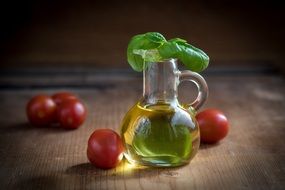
point(59, 97)
point(41, 110)
point(71, 114)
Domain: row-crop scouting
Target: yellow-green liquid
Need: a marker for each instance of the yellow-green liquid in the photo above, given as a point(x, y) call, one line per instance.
point(160, 135)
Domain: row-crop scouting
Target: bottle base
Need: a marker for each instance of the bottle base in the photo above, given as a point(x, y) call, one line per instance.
point(161, 161)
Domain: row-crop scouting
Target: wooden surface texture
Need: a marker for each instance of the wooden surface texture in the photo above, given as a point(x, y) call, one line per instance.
point(251, 157)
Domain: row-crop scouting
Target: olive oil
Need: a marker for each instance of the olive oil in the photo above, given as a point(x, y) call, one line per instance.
point(160, 135)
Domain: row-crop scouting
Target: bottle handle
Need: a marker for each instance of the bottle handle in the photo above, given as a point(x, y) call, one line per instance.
point(201, 84)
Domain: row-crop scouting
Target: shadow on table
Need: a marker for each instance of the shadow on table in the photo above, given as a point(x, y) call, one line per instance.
point(123, 171)
point(37, 182)
point(206, 145)
point(22, 127)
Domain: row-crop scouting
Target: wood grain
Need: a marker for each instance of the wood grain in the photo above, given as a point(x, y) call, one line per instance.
point(251, 157)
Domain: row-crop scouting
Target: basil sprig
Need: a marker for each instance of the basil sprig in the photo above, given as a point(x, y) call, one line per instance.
point(153, 47)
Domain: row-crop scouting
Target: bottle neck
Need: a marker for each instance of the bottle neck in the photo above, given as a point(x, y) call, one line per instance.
point(160, 82)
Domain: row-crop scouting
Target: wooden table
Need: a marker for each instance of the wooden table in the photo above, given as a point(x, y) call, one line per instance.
point(251, 157)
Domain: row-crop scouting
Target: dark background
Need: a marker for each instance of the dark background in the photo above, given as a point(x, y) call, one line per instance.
point(61, 33)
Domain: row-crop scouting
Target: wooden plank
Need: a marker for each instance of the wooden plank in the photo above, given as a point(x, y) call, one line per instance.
point(92, 77)
point(251, 157)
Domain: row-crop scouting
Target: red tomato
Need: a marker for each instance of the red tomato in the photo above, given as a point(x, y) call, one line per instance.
point(105, 148)
point(213, 125)
point(59, 97)
point(41, 110)
point(71, 114)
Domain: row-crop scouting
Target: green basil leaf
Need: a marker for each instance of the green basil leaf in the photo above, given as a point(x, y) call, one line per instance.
point(177, 40)
point(146, 41)
point(155, 37)
point(192, 57)
point(152, 56)
point(169, 50)
point(135, 60)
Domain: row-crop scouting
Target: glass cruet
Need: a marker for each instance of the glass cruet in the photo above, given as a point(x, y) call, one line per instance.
point(158, 130)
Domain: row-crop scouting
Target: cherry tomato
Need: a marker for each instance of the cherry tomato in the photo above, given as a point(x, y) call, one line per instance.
point(41, 110)
point(213, 125)
point(105, 148)
point(59, 97)
point(71, 113)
